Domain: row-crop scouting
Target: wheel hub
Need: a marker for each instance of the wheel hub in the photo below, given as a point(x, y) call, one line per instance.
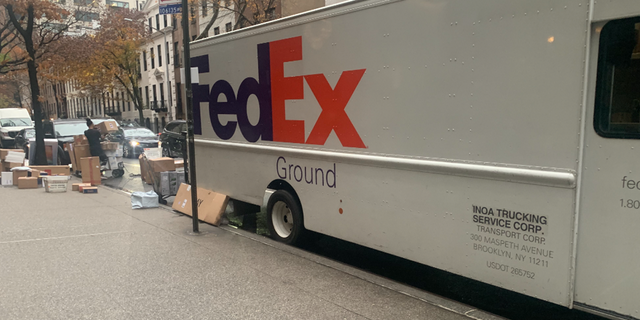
point(282, 219)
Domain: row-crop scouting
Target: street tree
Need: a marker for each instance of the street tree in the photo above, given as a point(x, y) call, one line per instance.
point(111, 58)
point(31, 32)
point(246, 12)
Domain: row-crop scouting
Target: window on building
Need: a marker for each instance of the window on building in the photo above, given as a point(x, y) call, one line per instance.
point(144, 60)
point(617, 105)
point(157, 21)
point(155, 96)
point(227, 26)
point(169, 89)
point(176, 54)
point(150, 26)
point(270, 13)
point(162, 102)
point(166, 49)
point(159, 55)
point(216, 30)
point(146, 91)
point(164, 17)
point(174, 22)
point(86, 16)
point(153, 64)
point(204, 8)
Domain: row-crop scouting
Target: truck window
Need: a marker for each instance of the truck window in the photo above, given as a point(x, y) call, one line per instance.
point(617, 105)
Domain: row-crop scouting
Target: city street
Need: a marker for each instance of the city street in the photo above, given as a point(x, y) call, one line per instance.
point(131, 180)
point(98, 259)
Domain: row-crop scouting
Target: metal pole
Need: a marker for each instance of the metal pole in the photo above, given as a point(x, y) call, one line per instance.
point(189, 96)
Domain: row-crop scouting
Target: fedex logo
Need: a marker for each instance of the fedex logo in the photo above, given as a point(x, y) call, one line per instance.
point(272, 89)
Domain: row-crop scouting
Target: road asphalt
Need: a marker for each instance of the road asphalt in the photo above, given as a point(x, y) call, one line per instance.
point(90, 256)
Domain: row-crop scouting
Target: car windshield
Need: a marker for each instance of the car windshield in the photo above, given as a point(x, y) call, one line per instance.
point(139, 133)
point(15, 122)
point(70, 129)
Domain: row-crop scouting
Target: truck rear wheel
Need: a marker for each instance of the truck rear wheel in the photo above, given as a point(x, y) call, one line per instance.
point(284, 217)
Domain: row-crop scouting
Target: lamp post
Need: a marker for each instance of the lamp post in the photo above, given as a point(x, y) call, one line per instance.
point(166, 65)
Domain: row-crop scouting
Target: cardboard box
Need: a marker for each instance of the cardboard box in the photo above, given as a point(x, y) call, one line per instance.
point(6, 166)
point(80, 139)
point(79, 152)
point(143, 167)
point(5, 152)
point(52, 170)
point(179, 163)
point(81, 186)
point(27, 182)
point(211, 205)
point(108, 126)
point(162, 165)
point(19, 174)
point(91, 170)
point(7, 178)
point(109, 146)
point(86, 190)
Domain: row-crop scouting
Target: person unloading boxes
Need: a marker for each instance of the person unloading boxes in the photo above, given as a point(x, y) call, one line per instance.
point(93, 137)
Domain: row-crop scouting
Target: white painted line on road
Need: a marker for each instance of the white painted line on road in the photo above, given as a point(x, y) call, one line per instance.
point(66, 237)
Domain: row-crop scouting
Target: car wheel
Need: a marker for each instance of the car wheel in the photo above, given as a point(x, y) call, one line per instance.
point(284, 217)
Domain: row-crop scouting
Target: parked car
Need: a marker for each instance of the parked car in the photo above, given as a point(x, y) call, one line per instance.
point(172, 139)
point(63, 130)
point(135, 140)
point(22, 139)
point(12, 120)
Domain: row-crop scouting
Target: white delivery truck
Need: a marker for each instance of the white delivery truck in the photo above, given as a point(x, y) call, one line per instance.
point(12, 120)
point(493, 139)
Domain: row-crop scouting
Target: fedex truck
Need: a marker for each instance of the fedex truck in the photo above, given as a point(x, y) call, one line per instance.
point(493, 139)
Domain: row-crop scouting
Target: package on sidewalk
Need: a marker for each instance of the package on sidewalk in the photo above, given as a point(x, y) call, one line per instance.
point(7, 166)
point(19, 172)
point(87, 190)
point(7, 178)
point(81, 186)
point(211, 205)
point(55, 184)
point(142, 200)
point(5, 152)
point(91, 170)
point(52, 170)
point(108, 126)
point(143, 167)
point(77, 152)
point(14, 157)
point(27, 183)
point(179, 163)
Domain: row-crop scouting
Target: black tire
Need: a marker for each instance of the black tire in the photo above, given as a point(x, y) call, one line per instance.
point(281, 208)
point(117, 173)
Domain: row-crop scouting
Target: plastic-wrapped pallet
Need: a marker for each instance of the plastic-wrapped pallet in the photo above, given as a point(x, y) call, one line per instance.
point(142, 200)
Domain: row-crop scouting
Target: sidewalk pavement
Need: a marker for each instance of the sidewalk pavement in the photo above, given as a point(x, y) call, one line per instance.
point(89, 256)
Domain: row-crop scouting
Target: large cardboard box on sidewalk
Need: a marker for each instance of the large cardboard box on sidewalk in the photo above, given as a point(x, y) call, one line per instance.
point(211, 205)
point(6, 166)
point(53, 170)
point(91, 170)
point(108, 126)
point(77, 152)
point(162, 164)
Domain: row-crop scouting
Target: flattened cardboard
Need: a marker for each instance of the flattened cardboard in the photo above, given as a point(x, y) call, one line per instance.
point(53, 170)
point(27, 182)
point(91, 170)
point(211, 204)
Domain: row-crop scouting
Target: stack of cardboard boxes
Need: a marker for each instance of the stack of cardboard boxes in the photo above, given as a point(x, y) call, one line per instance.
point(167, 174)
point(11, 158)
point(26, 177)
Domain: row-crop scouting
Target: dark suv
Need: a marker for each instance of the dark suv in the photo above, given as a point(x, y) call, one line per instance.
point(172, 138)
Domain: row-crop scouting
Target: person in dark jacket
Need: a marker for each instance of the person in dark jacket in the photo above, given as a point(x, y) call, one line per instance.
point(93, 137)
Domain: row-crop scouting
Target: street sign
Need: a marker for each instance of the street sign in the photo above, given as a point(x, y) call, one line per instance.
point(170, 6)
